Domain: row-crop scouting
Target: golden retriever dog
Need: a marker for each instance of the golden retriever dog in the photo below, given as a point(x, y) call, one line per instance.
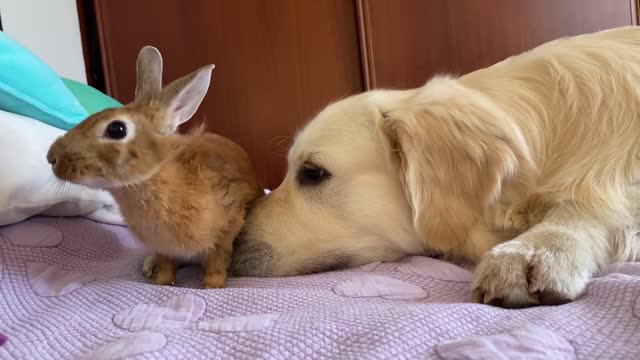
point(527, 168)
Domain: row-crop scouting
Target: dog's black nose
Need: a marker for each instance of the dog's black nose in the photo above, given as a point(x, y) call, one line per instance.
point(52, 160)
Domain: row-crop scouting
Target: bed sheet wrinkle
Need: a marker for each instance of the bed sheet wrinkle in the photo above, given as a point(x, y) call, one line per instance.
point(76, 283)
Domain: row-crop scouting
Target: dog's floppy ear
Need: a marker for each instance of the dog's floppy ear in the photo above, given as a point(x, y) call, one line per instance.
point(455, 153)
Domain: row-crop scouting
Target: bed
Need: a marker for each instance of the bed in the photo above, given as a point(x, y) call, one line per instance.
point(72, 288)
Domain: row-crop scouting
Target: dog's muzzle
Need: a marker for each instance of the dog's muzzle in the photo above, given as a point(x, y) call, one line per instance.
point(251, 257)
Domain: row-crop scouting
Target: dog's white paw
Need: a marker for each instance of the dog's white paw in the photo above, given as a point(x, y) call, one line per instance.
point(149, 267)
point(522, 273)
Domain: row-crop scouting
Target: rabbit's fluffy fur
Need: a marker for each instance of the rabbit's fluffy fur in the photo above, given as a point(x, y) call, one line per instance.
point(184, 196)
point(528, 167)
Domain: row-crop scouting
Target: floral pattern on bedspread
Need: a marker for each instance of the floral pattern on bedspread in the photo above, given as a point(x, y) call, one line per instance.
point(72, 288)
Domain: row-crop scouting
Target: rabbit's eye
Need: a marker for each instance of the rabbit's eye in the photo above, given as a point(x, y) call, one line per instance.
point(116, 130)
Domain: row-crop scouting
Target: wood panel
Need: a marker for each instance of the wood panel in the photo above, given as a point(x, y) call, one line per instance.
point(277, 62)
point(408, 41)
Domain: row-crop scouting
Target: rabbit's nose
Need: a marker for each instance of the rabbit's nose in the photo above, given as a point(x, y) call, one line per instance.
point(52, 157)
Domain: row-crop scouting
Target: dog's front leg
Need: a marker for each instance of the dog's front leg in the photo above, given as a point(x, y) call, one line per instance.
point(549, 264)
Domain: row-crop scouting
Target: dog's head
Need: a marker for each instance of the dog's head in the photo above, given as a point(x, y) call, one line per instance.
point(380, 175)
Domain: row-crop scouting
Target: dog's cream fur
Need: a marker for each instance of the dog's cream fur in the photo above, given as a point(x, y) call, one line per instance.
point(527, 166)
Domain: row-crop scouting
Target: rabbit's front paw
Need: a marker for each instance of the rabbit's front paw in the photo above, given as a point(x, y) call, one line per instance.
point(161, 270)
point(149, 267)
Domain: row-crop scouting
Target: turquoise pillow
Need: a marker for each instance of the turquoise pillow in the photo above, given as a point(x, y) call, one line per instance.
point(29, 87)
point(91, 99)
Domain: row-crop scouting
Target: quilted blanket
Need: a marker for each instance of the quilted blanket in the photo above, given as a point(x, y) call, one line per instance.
point(73, 289)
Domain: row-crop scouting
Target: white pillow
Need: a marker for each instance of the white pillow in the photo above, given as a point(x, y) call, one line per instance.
point(27, 184)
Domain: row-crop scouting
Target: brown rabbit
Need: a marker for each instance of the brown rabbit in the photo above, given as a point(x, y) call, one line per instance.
point(184, 196)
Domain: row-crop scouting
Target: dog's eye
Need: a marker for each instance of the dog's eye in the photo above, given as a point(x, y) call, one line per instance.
point(116, 130)
point(312, 175)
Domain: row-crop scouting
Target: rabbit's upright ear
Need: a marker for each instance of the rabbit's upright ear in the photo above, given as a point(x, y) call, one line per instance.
point(149, 73)
point(183, 96)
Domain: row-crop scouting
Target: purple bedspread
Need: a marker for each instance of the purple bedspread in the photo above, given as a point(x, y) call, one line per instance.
point(71, 288)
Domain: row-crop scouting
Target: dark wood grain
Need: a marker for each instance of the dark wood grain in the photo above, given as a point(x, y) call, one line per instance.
point(277, 62)
point(280, 61)
point(411, 40)
point(82, 22)
point(90, 43)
